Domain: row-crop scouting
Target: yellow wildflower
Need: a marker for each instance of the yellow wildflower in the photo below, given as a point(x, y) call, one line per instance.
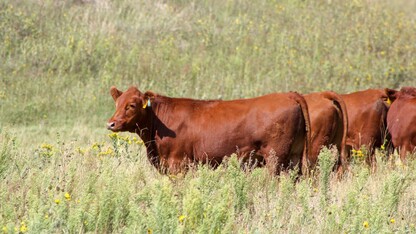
point(149, 231)
point(392, 220)
point(366, 224)
point(23, 227)
point(5, 230)
point(357, 153)
point(80, 150)
point(126, 139)
point(46, 146)
point(67, 196)
point(113, 135)
point(95, 146)
point(138, 141)
point(57, 201)
point(109, 151)
point(181, 218)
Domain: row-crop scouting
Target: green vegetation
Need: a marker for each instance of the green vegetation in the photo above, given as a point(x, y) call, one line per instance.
point(110, 187)
point(60, 172)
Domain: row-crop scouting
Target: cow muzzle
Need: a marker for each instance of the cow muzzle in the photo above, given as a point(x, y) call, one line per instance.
point(111, 125)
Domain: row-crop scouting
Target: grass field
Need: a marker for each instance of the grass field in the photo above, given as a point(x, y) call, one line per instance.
point(61, 171)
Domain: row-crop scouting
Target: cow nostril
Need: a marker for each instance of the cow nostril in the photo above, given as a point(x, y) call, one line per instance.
point(111, 125)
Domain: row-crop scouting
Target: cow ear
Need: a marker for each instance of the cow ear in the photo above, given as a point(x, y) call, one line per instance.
point(148, 97)
point(149, 94)
point(115, 93)
point(391, 94)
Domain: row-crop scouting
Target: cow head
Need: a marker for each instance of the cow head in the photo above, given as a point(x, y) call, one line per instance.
point(389, 96)
point(131, 108)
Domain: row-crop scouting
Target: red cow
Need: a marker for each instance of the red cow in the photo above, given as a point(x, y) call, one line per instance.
point(179, 131)
point(329, 125)
point(401, 121)
point(367, 113)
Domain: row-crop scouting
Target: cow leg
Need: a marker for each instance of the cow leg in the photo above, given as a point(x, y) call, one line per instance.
point(341, 165)
point(176, 165)
point(251, 160)
point(404, 150)
point(276, 161)
point(371, 157)
point(172, 165)
point(312, 158)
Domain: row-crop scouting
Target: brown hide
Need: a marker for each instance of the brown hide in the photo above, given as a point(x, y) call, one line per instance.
point(367, 113)
point(179, 131)
point(401, 121)
point(329, 124)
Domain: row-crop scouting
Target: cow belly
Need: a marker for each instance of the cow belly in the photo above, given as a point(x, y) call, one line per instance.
point(255, 140)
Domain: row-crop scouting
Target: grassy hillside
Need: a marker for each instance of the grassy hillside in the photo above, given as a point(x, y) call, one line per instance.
point(59, 58)
point(60, 171)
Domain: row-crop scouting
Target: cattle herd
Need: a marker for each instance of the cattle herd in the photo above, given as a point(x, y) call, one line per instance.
point(279, 130)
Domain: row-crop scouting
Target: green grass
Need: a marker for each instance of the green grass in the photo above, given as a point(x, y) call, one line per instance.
point(59, 59)
point(74, 187)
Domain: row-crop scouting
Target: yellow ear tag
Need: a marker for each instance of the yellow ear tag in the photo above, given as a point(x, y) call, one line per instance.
point(388, 101)
point(147, 104)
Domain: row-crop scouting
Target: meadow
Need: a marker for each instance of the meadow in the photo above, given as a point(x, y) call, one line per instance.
point(61, 171)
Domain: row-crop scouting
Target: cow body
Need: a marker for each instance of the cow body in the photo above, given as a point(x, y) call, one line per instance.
point(329, 125)
point(178, 131)
point(401, 121)
point(367, 113)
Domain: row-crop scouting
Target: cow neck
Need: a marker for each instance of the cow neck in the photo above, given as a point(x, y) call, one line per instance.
point(152, 126)
point(149, 124)
point(156, 115)
point(145, 125)
point(148, 132)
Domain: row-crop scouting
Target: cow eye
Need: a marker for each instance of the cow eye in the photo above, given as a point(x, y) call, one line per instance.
point(130, 106)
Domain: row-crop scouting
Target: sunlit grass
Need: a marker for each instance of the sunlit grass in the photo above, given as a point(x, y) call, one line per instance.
point(90, 191)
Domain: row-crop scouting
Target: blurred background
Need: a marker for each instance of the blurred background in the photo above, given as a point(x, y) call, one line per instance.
point(60, 58)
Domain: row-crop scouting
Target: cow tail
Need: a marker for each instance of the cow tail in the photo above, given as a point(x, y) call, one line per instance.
point(339, 102)
point(304, 107)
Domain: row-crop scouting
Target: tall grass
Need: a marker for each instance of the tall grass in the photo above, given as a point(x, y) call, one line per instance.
point(75, 187)
point(60, 172)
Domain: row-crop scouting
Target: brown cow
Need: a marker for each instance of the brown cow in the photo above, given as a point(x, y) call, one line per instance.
point(179, 131)
point(329, 125)
point(401, 121)
point(367, 113)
